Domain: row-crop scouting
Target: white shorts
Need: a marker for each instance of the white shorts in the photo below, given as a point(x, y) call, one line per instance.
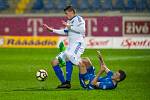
point(73, 53)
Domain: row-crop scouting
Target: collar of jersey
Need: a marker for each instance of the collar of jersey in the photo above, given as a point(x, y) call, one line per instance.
point(72, 17)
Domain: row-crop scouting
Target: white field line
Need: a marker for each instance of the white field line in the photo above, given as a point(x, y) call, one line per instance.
point(128, 57)
point(123, 57)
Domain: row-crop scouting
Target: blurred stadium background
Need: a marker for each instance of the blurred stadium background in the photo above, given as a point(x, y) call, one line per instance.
point(88, 6)
point(121, 28)
point(108, 19)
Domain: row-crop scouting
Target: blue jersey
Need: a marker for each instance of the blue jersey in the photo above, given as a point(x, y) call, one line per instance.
point(103, 82)
point(106, 82)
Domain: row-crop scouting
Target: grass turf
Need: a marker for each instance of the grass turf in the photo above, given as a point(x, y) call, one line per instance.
point(18, 82)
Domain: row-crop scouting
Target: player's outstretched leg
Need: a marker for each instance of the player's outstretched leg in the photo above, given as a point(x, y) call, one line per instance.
point(62, 48)
point(69, 68)
point(58, 72)
point(89, 66)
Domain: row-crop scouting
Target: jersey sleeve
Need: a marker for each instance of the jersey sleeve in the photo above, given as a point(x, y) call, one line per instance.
point(106, 82)
point(79, 25)
point(61, 31)
point(109, 74)
point(105, 85)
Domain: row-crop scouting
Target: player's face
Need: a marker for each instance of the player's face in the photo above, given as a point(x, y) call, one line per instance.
point(116, 76)
point(69, 14)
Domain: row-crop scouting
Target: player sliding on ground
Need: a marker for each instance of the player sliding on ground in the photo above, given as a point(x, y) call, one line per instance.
point(75, 29)
point(89, 80)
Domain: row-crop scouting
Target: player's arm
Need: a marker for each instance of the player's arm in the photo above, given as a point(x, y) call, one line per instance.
point(95, 80)
point(79, 26)
point(103, 69)
point(102, 63)
point(61, 31)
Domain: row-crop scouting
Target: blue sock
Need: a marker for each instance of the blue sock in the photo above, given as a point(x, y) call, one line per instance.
point(69, 68)
point(82, 83)
point(59, 73)
point(84, 76)
point(91, 70)
point(85, 80)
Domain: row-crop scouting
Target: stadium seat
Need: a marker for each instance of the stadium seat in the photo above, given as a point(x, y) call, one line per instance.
point(141, 5)
point(96, 5)
point(74, 3)
point(61, 4)
point(131, 5)
point(119, 5)
point(148, 5)
point(4, 4)
point(49, 5)
point(107, 5)
point(84, 5)
point(38, 5)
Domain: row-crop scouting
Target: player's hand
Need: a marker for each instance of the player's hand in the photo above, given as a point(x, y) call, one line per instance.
point(66, 24)
point(103, 67)
point(100, 57)
point(47, 27)
point(99, 54)
point(94, 81)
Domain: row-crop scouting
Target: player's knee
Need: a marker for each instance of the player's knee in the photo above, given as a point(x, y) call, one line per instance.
point(81, 64)
point(54, 62)
point(68, 54)
point(86, 61)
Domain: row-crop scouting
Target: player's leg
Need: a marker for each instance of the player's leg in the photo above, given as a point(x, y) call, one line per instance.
point(57, 70)
point(68, 63)
point(69, 69)
point(62, 48)
point(85, 77)
point(89, 66)
point(73, 54)
point(73, 59)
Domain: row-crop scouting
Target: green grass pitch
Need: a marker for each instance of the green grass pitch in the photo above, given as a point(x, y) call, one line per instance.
point(18, 82)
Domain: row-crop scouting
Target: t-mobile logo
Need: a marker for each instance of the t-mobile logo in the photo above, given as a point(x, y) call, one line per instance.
point(34, 25)
point(91, 25)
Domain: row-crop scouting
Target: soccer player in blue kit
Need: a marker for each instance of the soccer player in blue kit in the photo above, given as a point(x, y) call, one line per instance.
point(89, 80)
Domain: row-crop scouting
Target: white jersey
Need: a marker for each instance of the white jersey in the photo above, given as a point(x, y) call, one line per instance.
point(76, 33)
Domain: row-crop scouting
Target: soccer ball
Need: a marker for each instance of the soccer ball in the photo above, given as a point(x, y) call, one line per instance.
point(41, 75)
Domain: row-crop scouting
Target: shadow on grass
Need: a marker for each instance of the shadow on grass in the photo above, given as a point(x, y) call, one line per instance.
point(41, 89)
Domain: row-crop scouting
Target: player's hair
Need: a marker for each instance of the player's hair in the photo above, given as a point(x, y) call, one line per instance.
point(122, 75)
point(70, 8)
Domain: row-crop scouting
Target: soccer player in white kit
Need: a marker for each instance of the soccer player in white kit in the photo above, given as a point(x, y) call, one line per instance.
point(75, 29)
